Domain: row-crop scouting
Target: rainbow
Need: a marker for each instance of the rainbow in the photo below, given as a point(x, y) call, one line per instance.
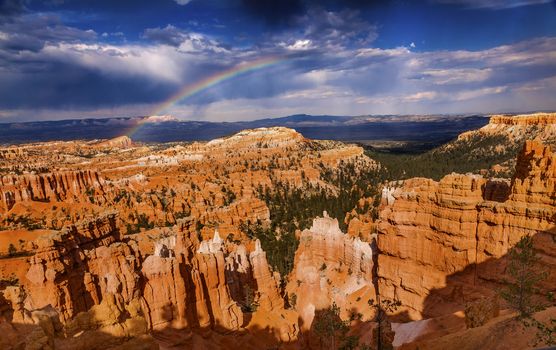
point(204, 84)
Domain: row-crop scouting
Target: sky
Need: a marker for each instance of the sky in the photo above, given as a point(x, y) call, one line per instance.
point(228, 60)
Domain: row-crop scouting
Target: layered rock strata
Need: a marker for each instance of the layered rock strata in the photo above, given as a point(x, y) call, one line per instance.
point(443, 243)
point(331, 267)
point(56, 187)
point(518, 127)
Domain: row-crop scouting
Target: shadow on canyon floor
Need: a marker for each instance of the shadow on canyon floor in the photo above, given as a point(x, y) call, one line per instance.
point(50, 335)
point(484, 280)
point(474, 281)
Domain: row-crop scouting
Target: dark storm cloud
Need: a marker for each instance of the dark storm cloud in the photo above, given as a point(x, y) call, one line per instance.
point(62, 85)
point(37, 71)
point(10, 8)
point(282, 12)
point(274, 11)
point(32, 32)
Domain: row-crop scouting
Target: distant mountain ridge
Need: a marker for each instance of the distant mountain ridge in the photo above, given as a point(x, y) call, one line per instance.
point(414, 128)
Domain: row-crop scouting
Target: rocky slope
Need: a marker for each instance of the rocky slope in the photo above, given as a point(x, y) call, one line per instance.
point(489, 151)
point(503, 137)
point(215, 182)
point(443, 243)
point(64, 186)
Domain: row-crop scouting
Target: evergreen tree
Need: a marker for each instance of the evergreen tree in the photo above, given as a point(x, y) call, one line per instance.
point(522, 287)
point(524, 278)
point(329, 327)
point(384, 334)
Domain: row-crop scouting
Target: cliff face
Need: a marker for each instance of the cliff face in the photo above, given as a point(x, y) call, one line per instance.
point(56, 187)
point(537, 119)
point(262, 137)
point(442, 243)
point(82, 287)
point(78, 267)
point(331, 267)
point(540, 126)
point(118, 142)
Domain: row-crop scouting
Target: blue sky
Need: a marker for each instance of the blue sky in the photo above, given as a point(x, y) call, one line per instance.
point(100, 58)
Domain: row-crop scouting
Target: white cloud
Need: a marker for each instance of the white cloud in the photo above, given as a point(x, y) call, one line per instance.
point(299, 45)
point(183, 2)
point(321, 75)
point(421, 96)
point(457, 75)
point(160, 63)
point(471, 94)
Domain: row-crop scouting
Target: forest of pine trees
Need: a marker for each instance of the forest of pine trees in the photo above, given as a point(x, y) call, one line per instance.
point(293, 208)
point(461, 156)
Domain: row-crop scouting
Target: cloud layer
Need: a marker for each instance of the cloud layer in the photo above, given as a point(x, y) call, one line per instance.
point(328, 65)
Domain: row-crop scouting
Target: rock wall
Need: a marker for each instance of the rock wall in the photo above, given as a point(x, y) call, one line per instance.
point(442, 243)
point(76, 268)
point(519, 127)
point(538, 119)
point(331, 267)
point(55, 187)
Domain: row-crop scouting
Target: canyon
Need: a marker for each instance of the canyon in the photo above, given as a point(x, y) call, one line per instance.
point(243, 241)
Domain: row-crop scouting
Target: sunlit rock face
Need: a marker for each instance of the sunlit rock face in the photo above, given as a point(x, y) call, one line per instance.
point(331, 267)
point(262, 137)
point(86, 273)
point(59, 186)
point(441, 243)
point(76, 268)
point(541, 126)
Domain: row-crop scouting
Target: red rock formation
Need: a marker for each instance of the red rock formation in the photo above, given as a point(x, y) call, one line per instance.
point(432, 231)
point(12, 153)
point(539, 119)
point(266, 283)
point(224, 312)
point(165, 293)
point(76, 268)
point(101, 275)
point(118, 142)
point(360, 220)
point(331, 266)
point(56, 187)
point(201, 285)
point(519, 127)
point(257, 138)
